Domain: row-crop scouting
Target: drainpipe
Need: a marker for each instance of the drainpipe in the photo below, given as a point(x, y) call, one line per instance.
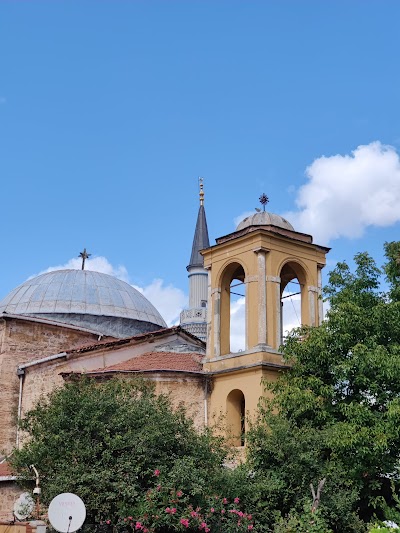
point(20, 374)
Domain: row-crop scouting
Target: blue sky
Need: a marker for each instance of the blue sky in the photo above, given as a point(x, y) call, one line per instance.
point(110, 110)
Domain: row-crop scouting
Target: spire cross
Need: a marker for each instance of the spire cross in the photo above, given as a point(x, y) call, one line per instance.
point(84, 255)
point(201, 191)
point(264, 200)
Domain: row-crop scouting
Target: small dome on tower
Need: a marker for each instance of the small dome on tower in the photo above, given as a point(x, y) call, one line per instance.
point(263, 218)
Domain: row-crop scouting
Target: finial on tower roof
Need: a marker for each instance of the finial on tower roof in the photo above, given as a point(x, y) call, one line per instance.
point(84, 255)
point(201, 191)
point(264, 200)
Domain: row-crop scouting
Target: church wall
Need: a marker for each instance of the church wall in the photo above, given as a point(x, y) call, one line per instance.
point(21, 342)
point(186, 391)
point(9, 492)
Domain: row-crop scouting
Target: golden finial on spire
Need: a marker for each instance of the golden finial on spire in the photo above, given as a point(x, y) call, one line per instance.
point(201, 191)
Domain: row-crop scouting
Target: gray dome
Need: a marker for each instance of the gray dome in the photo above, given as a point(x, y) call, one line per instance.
point(265, 219)
point(85, 298)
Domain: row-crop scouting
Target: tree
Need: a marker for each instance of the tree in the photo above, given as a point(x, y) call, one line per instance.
point(109, 442)
point(336, 413)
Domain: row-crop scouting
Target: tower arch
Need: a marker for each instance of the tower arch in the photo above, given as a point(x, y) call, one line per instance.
point(236, 417)
point(232, 276)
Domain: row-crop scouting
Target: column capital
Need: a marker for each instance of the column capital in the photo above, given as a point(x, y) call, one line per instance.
point(274, 279)
point(261, 249)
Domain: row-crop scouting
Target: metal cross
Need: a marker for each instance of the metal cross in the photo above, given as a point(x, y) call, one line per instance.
point(84, 255)
point(264, 200)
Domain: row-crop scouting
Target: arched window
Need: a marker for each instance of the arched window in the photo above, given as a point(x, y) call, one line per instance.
point(236, 413)
point(293, 298)
point(233, 309)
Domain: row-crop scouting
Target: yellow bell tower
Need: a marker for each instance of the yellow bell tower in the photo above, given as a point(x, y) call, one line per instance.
point(264, 254)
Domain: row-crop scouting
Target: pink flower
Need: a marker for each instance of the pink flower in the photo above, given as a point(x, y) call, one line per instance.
point(138, 525)
point(167, 509)
point(225, 500)
point(156, 472)
point(250, 527)
point(193, 514)
point(158, 487)
point(173, 510)
point(212, 510)
point(184, 522)
point(222, 511)
point(130, 518)
point(236, 500)
point(179, 493)
point(203, 525)
point(108, 522)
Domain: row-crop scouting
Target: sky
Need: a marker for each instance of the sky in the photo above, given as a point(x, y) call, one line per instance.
point(111, 110)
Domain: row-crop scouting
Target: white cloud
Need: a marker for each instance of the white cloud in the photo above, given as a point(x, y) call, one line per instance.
point(98, 264)
point(347, 193)
point(167, 299)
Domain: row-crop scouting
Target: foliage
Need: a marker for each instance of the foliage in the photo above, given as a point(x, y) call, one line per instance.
point(166, 509)
point(305, 522)
point(336, 412)
point(104, 442)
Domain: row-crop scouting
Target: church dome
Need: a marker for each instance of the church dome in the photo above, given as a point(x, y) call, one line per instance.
point(263, 218)
point(85, 299)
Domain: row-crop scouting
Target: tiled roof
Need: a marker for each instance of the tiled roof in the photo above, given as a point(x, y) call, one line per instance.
point(135, 338)
point(5, 470)
point(157, 361)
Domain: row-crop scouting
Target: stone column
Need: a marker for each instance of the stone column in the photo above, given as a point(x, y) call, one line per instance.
point(262, 296)
point(216, 295)
point(312, 294)
point(320, 302)
point(275, 321)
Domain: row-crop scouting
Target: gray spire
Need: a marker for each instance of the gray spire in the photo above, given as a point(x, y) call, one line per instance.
point(200, 239)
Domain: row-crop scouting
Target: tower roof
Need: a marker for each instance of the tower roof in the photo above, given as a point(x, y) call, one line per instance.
point(200, 239)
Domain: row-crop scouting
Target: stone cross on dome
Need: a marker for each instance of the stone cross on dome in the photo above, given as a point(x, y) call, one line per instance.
point(84, 255)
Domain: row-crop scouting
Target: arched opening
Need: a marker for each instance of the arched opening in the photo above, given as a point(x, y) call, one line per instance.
point(293, 298)
point(236, 413)
point(233, 309)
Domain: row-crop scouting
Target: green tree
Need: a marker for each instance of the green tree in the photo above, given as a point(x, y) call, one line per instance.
point(108, 443)
point(336, 412)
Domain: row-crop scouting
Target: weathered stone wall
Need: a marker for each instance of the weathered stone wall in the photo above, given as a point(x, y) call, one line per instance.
point(9, 492)
point(22, 341)
point(188, 391)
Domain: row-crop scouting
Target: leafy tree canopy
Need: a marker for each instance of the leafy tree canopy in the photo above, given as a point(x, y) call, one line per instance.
point(108, 442)
point(336, 412)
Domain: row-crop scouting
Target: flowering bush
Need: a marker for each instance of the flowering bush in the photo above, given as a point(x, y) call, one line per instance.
point(166, 509)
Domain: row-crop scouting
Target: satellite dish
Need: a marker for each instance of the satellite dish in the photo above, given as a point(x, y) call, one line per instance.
point(67, 512)
point(23, 506)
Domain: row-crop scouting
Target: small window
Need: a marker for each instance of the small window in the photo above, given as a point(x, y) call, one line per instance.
point(203, 303)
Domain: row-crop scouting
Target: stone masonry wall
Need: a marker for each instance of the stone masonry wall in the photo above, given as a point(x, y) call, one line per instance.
point(22, 341)
point(9, 492)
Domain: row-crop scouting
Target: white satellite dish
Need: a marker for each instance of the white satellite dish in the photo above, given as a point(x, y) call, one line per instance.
point(23, 506)
point(67, 512)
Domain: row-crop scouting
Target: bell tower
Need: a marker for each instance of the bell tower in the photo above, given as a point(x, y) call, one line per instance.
point(263, 255)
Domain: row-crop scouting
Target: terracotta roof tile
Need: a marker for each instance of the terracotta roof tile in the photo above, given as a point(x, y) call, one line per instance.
point(136, 338)
point(5, 470)
point(153, 361)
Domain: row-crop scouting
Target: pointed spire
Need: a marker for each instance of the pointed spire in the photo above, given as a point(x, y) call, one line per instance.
point(200, 239)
